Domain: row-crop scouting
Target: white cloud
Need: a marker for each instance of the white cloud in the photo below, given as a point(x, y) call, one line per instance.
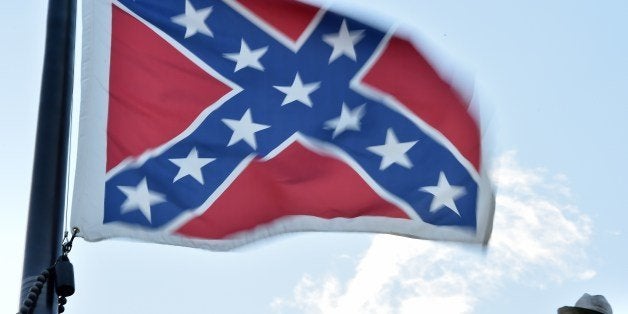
point(539, 238)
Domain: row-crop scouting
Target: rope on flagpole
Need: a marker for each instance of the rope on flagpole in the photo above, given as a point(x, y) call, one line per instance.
point(61, 273)
point(34, 291)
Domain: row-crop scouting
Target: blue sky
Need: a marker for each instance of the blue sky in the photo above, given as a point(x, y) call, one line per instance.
point(551, 81)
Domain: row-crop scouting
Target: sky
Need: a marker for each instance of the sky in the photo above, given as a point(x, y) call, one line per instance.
point(550, 79)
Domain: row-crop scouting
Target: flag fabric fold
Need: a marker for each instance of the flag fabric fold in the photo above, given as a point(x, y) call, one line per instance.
point(215, 123)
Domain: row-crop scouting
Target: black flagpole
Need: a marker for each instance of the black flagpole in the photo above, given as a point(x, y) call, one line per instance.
point(47, 202)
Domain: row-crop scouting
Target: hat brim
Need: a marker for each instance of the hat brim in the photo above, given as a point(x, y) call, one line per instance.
point(576, 310)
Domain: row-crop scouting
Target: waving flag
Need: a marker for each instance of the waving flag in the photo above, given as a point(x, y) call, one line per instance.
point(214, 123)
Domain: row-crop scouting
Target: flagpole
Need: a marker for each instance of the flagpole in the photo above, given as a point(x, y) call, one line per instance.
point(47, 201)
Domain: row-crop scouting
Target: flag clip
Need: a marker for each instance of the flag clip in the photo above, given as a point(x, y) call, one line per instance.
point(67, 244)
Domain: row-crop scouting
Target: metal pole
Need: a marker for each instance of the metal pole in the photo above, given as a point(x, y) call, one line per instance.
point(47, 201)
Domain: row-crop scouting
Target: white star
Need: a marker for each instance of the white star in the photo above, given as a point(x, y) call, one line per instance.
point(191, 166)
point(140, 197)
point(298, 92)
point(193, 20)
point(247, 57)
point(244, 129)
point(343, 42)
point(444, 194)
point(348, 120)
point(393, 152)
